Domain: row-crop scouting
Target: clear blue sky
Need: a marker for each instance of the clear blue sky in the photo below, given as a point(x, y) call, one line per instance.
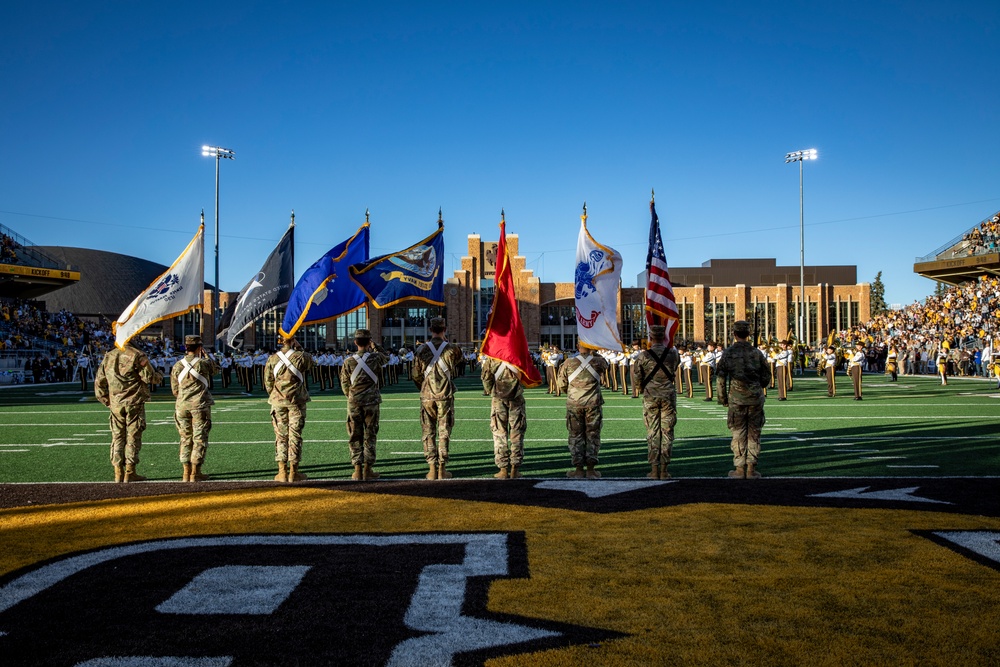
point(534, 107)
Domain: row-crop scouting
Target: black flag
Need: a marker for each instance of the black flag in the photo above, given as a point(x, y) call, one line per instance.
point(269, 288)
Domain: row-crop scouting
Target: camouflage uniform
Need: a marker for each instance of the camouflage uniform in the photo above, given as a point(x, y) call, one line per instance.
point(584, 414)
point(742, 374)
point(507, 415)
point(193, 408)
point(659, 400)
point(122, 384)
point(288, 394)
point(437, 395)
point(363, 400)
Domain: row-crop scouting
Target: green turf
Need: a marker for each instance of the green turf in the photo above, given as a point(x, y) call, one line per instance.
point(913, 428)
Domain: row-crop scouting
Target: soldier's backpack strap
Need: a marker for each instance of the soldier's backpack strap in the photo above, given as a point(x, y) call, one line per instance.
point(437, 360)
point(584, 365)
point(362, 366)
point(285, 361)
point(504, 366)
point(189, 368)
point(660, 366)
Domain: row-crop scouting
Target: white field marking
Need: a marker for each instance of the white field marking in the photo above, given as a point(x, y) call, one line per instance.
point(859, 451)
point(11, 451)
point(420, 453)
point(880, 458)
point(898, 466)
point(65, 439)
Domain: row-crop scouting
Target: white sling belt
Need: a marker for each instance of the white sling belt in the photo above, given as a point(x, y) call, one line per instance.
point(584, 364)
point(189, 368)
point(504, 366)
point(285, 361)
point(362, 366)
point(437, 360)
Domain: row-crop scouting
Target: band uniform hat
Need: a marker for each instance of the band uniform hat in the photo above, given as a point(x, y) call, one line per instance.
point(362, 333)
point(190, 341)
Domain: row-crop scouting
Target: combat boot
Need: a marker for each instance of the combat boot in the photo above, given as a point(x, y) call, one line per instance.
point(196, 474)
point(358, 474)
point(119, 474)
point(654, 472)
point(187, 472)
point(502, 474)
point(433, 473)
point(752, 471)
point(592, 472)
point(442, 473)
point(579, 473)
point(282, 475)
point(131, 475)
point(663, 472)
point(294, 475)
point(739, 473)
point(369, 474)
point(515, 472)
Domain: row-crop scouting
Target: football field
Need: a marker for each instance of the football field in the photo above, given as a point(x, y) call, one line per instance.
point(911, 428)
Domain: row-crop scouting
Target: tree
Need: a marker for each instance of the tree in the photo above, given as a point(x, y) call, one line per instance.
point(877, 297)
point(939, 289)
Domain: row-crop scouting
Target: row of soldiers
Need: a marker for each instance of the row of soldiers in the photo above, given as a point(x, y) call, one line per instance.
point(124, 376)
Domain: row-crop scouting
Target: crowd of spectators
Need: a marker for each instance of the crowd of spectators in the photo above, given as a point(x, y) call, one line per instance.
point(982, 239)
point(965, 319)
point(8, 249)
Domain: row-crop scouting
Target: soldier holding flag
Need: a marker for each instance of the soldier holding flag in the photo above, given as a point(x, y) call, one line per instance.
point(189, 382)
point(288, 393)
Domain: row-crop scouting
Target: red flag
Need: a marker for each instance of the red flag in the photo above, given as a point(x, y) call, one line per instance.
point(505, 339)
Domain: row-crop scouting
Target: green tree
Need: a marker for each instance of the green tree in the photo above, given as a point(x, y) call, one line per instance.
point(877, 297)
point(939, 289)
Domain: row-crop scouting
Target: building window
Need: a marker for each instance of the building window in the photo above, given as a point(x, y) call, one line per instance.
point(719, 318)
point(483, 303)
point(633, 322)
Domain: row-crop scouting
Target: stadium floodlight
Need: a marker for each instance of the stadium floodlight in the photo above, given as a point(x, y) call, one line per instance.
point(218, 152)
point(800, 157)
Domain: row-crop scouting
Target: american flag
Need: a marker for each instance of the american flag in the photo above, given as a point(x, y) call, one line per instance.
point(660, 305)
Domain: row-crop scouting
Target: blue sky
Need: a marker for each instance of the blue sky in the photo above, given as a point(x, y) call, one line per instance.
point(535, 107)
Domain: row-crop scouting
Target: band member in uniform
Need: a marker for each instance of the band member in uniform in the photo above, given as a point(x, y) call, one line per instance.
point(830, 368)
point(707, 369)
point(942, 364)
point(782, 366)
point(892, 363)
point(687, 363)
point(854, 368)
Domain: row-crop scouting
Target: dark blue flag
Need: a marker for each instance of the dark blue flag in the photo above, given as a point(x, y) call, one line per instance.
point(413, 274)
point(324, 291)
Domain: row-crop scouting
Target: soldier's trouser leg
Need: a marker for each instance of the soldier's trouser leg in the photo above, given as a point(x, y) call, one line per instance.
point(499, 420)
point(279, 419)
point(201, 426)
point(355, 433)
point(436, 420)
point(296, 424)
point(127, 425)
point(660, 416)
point(371, 432)
point(746, 423)
point(182, 420)
point(594, 422)
point(576, 426)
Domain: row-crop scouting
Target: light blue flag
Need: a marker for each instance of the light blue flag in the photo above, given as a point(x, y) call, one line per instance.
point(324, 291)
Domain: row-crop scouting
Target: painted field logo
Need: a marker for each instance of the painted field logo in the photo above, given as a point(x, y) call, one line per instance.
point(276, 599)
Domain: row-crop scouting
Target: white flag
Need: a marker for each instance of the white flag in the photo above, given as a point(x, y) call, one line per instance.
point(598, 273)
point(174, 293)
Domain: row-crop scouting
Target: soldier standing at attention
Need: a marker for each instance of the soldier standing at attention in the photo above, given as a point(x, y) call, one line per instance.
point(189, 382)
point(854, 368)
point(580, 378)
point(655, 370)
point(507, 416)
point(742, 374)
point(359, 378)
point(434, 366)
point(287, 390)
point(122, 384)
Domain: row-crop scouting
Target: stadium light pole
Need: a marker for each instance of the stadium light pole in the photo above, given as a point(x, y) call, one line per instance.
point(218, 153)
point(800, 157)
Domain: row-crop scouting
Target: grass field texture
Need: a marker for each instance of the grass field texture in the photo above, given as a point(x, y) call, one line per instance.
point(911, 428)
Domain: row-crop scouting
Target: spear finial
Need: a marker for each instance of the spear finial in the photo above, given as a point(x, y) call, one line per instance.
point(293, 217)
point(440, 218)
point(366, 215)
point(652, 195)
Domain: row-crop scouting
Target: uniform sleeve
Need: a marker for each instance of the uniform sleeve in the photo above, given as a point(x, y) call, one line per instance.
point(487, 376)
point(175, 385)
point(417, 371)
point(345, 378)
point(268, 376)
point(563, 378)
point(146, 371)
point(101, 390)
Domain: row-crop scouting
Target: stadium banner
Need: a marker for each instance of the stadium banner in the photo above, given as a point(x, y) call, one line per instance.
point(36, 272)
point(270, 288)
point(660, 305)
point(505, 338)
point(598, 272)
point(413, 274)
point(324, 292)
point(176, 291)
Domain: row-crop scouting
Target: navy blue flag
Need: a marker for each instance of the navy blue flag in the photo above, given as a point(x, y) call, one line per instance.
point(413, 274)
point(324, 290)
point(269, 288)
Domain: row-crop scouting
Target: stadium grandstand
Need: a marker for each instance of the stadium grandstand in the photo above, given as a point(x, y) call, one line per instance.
point(27, 272)
point(965, 257)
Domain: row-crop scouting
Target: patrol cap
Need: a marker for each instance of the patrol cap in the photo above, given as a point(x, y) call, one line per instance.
point(362, 333)
point(437, 324)
point(657, 331)
point(191, 341)
point(741, 328)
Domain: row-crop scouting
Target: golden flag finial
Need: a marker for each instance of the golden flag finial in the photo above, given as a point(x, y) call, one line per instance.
point(583, 218)
point(503, 218)
point(203, 216)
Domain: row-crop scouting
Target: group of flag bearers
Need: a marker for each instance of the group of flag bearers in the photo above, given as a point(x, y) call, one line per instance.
point(413, 273)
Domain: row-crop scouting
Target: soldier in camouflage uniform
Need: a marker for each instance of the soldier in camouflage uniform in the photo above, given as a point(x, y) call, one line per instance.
point(655, 370)
point(189, 381)
point(434, 366)
point(285, 383)
point(359, 378)
point(742, 374)
point(580, 378)
point(502, 381)
point(122, 384)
